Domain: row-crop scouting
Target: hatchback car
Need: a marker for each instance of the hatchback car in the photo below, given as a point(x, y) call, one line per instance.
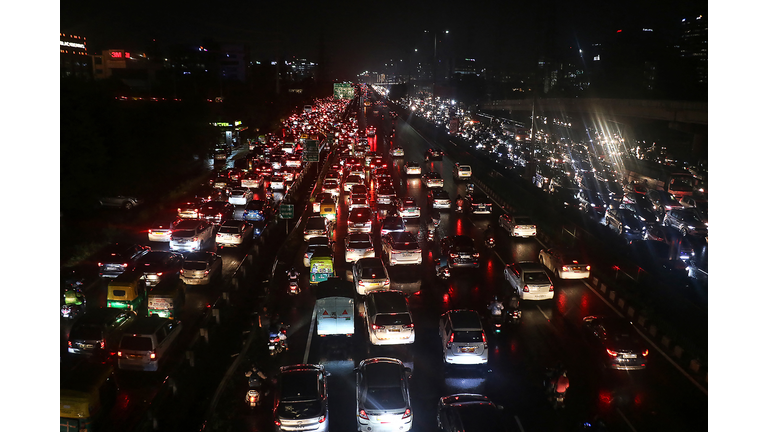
point(357, 201)
point(369, 274)
point(360, 220)
point(530, 281)
point(200, 268)
point(358, 245)
point(392, 224)
point(564, 263)
point(518, 226)
point(400, 248)
point(439, 199)
point(234, 233)
point(385, 194)
point(460, 251)
point(480, 204)
point(383, 395)
point(616, 341)
point(388, 318)
point(275, 182)
point(240, 196)
point(191, 235)
point(462, 338)
point(469, 412)
point(301, 399)
point(432, 179)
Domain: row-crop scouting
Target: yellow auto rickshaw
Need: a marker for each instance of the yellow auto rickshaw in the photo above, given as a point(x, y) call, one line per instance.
point(328, 209)
point(127, 291)
point(320, 266)
point(86, 395)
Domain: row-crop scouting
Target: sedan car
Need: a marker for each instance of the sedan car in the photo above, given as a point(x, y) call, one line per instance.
point(120, 201)
point(119, 257)
point(439, 199)
point(157, 265)
point(686, 221)
point(383, 395)
point(392, 224)
point(330, 186)
point(565, 264)
point(397, 151)
point(530, 281)
point(358, 245)
point(412, 168)
point(240, 196)
point(617, 342)
point(217, 211)
point(459, 250)
point(469, 412)
point(257, 210)
point(234, 233)
point(385, 194)
point(432, 179)
point(161, 230)
point(301, 398)
point(190, 209)
point(518, 226)
point(191, 235)
point(200, 268)
point(369, 274)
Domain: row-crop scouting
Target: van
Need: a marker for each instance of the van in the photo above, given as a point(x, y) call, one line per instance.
point(146, 342)
point(86, 395)
point(388, 318)
point(462, 172)
point(127, 291)
point(335, 307)
point(98, 331)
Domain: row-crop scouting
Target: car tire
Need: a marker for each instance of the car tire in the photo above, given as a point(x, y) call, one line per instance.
point(127, 205)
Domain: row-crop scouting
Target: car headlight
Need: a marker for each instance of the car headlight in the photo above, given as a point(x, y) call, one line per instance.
point(691, 227)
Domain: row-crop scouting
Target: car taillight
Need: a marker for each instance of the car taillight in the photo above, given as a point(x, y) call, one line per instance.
point(551, 288)
point(369, 249)
point(159, 274)
point(407, 413)
point(152, 355)
point(517, 226)
point(252, 398)
point(476, 255)
point(408, 325)
point(454, 255)
point(278, 422)
point(100, 264)
point(588, 267)
point(525, 288)
point(485, 341)
point(321, 419)
point(181, 271)
point(386, 282)
point(611, 352)
point(69, 343)
point(206, 272)
point(565, 269)
point(362, 414)
point(360, 283)
point(125, 264)
point(645, 353)
point(377, 327)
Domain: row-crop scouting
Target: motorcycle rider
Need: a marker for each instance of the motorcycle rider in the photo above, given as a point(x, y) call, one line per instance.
point(562, 383)
point(495, 306)
point(488, 233)
point(293, 275)
point(460, 203)
point(255, 377)
point(74, 296)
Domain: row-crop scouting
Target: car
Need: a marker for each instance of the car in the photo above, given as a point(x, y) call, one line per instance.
point(480, 204)
point(439, 199)
point(217, 211)
point(116, 258)
point(234, 233)
point(98, 331)
point(388, 319)
point(462, 171)
point(252, 180)
point(591, 202)
point(686, 221)
point(412, 168)
point(358, 202)
point(625, 223)
point(352, 179)
point(275, 182)
point(385, 194)
point(617, 342)
point(161, 230)
point(360, 220)
point(518, 225)
point(662, 257)
point(157, 265)
point(147, 342)
point(330, 186)
point(392, 224)
point(357, 190)
point(383, 395)
point(400, 248)
point(301, 398)
point(240, 196)
point(313, 244)
point(221, 181)
point(258, 210)
point(680, 245)
point(200, 268)
point(317, 226)
point(566, 264)
point(397, 151)
point(358, 245)
point(530, 281)
point(662, 202)
point(459, 250)
point(369, 274)
point(463, 339)
point(191, 235)
point(469, 411)
point(370, 131)
point(641, 211)
point(432, 179)
point(408, 208)
point(190, 209)
point(120, 201)
point(433, 154)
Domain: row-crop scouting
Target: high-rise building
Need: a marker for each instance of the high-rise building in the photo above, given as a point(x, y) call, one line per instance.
point(74, 57)
point(693, 45)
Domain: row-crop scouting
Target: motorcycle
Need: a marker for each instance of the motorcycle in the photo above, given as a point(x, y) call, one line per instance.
point(490, 242)
point(71, 311)
point(497, 322)
point(293, 284)
point(430, 235)
point(277, 337)
point(515, 316)
point(255, 390)
point(470, 188)
point(443, 272)
point(557, 398)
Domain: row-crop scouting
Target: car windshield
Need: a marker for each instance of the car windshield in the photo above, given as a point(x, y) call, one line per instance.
point(360, 244)
point(184, 233)
point(297, 410)
point(393, 319)
point(524, 221)
point(535, 277)
point(468, 336)
point(255, 205)
point(406, 245)
point(137, 343)
point(195, 265)
point(316, 224)
point(85, 333)
point(373, 273)
point(229, 230)
point(384, 398)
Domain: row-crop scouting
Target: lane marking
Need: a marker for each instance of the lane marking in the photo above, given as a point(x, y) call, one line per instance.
point(519, 425)
point(542, 312)
point(677, 366)
point(309, 338)
point(626, 420)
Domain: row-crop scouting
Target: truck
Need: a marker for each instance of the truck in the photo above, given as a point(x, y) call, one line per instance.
point(335, 308)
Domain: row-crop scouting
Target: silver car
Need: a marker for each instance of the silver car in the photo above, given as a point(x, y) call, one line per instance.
point(301, 399)
point(234, 233)
point(358, 245)
point(383, 395)
point(200, 268)
point(191, 235)
point(463, 338)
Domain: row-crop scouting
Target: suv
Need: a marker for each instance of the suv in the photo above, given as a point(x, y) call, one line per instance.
point(191, 235)
point(119, 257)
point(530, 281)
point(383, 395)
point(624, 223)
point(358, 245)
point(360, 220)
point(463, 338)
point(301, 398)
point(98, 331)
point(686, 221)
point(462, 172)
point(317, 226)
point(460, 251)
point(400, 248)
point(369, 274)
point(146, 342)
point(467, 411)
point(388, 318)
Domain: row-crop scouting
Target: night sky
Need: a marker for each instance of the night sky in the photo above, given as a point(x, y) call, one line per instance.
point(361, 36)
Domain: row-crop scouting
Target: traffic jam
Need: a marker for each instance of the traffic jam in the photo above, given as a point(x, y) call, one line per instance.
point(362, 272)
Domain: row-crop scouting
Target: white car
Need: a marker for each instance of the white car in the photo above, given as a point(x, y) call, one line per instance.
point(518, 226)
point(358, 245)
point(408, 208)
point(240, 196)
point(401, 248)
point(462, 338)
point(331, 186)
point(358, 202)
point(352, 180)
point(565, 264)
point(530, 280)
point(383, 396)
point(369, 274)
point(161, 231)
point(432, 179)
point(191, 235)
point(397, 152)
point(276, 182)
point(412, 168)
point(233, 233)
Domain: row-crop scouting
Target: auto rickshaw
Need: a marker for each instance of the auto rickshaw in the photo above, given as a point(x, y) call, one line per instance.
point(320, 268)
point(87, 394)
point(328, 210)
point(166, 298)
point(127, 291)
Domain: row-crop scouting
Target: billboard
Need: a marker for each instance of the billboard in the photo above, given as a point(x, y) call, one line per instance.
point(343, 91)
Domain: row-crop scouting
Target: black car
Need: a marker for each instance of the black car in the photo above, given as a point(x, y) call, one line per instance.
point(459, 251)
point(217, 211)
point(617, 342)
point(469, 412)
point(433, 154)
point(158, 265)
point(301, 400)
point(118, 257)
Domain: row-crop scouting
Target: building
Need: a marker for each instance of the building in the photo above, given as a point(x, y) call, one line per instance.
point(233, 61)
point(133, 69)
point(300, 69)
point(693, 45)
point(74, 58)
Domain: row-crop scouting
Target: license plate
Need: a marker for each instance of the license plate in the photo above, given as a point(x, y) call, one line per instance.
point(467, 349)
point(394, 330)
point(630, 356)
point(134, 356)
